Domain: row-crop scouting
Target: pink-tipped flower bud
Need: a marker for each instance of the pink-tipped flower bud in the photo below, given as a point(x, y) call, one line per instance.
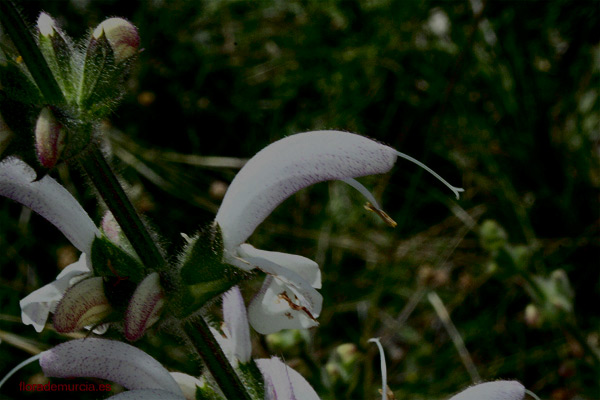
point(83, 304)
point(122, 36)
point(144, 308)
point(49, 138)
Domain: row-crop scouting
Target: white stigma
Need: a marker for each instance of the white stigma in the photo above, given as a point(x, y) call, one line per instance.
point(455, 189)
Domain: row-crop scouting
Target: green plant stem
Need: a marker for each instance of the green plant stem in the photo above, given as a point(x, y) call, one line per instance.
point(105, 181)
point(36, 63)
point(114, 196)
point(211, 353)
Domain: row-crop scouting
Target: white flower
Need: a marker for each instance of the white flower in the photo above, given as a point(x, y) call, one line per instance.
point(115, 361)
point(497, 390)
point(53, 202)
point(288, 298)
point(281, 381)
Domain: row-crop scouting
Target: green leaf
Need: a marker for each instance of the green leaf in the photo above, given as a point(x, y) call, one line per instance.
point(109, 260)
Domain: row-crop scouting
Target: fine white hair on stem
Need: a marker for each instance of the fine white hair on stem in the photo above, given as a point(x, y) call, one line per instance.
point(18, 367)
point(383, 368)
point(455, 189)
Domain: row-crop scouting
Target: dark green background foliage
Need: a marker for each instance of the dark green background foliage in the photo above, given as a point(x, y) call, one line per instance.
point(504, 103)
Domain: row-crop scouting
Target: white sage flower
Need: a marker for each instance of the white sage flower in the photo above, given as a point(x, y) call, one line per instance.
point(53, 202)
point(288, 299)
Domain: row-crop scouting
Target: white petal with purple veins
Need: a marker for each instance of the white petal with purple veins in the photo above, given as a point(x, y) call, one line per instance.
point(306, 268)
point(49, 199)
point(283, 382)
point(498, 390)
point(291, 164)
point(110, 360)
point(147, 394)
point(236, 324)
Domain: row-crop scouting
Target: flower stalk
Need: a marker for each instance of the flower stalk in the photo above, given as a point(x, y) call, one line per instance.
point(109, 188)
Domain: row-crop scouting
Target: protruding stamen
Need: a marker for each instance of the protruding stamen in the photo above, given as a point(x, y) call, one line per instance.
point(372, 205)
point(529, 392)
point(383, 368)
point(382, 214)
point(18, 367)
point(432, 172)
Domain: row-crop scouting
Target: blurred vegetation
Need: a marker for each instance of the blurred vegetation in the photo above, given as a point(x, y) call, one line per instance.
point(503, 96)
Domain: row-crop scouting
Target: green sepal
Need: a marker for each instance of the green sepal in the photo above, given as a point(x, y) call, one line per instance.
point(194, 297)
point(207, 392)
point(102, 79)
point(109, 260)
point(58, 51)
point(202, 259)
point(252, 378)
point(98, 64)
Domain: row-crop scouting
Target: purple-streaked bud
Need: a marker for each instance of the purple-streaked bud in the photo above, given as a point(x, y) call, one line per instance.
point(107, 359)
point(83, 304)
point(49, 138)
point(498, 390)
point(144, 307)
point(122, 36)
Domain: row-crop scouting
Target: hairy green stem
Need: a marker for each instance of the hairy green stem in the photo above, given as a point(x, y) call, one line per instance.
point(114, 196)
point(211, 354)
point(109, 188)
point(36, 63)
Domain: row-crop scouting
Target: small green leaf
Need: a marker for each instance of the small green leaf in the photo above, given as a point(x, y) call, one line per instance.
point(109, 260)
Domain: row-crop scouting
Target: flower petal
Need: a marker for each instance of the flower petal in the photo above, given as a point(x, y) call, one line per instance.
point(108, 359)
point(83, 304)
point(49, 199)
point(498, 390)
point(285, 301)
point(291, 164)
point(274, 308)
point(236, 322)
point(305, 267)
point(146, 394)
point(144, 308)
point(283, 382)
point(36, 306)
point(187, 384)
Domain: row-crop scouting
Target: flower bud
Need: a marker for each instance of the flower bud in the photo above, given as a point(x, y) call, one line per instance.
point(111, 227)
point(46, 25)
point(122, 36)
point(49, 138)
point(83, 304)
point(144, 307)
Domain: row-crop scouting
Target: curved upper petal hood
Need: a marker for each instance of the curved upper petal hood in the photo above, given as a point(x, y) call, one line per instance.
point(497, 390)
point(108, 359)
point(49, 199)
point(291, 164)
